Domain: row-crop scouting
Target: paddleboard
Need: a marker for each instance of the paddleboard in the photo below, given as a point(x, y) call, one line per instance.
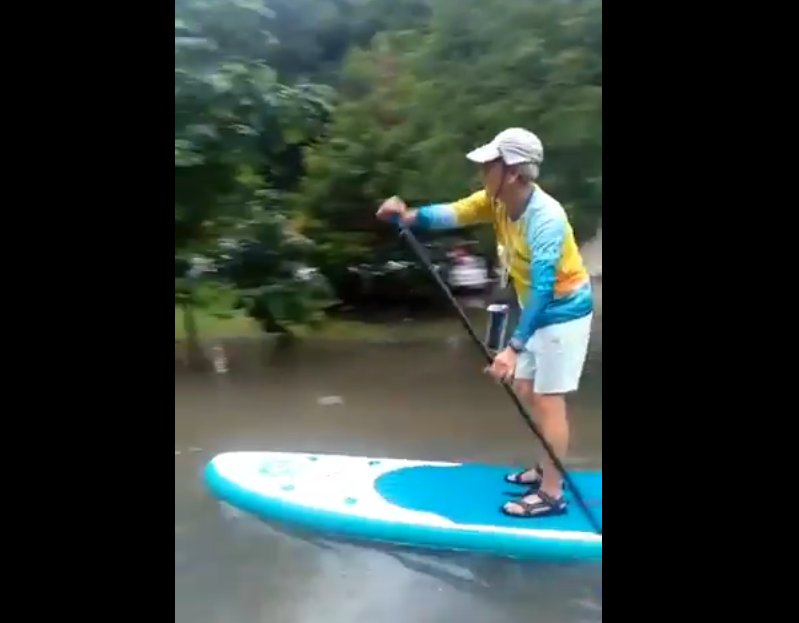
point(426, 504)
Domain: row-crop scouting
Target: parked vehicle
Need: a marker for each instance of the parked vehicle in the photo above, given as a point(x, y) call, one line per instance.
point(467, 271)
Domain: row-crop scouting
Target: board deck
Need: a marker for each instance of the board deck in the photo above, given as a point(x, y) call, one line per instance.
point(429, 504)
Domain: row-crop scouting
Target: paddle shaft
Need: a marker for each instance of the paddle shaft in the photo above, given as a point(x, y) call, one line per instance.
point(421, 254)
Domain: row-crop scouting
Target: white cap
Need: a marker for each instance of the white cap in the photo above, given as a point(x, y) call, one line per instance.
point(514, 146)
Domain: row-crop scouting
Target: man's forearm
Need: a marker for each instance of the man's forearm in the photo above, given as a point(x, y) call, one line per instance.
point(435, 216)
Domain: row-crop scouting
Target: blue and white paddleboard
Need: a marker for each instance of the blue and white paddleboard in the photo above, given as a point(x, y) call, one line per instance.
point(437, 505)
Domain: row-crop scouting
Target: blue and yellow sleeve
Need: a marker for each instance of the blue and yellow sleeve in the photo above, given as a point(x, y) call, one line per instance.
point(471, 210)
point(546, 247)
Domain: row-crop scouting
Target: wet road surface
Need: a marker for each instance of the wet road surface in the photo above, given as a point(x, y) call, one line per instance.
point(415, 401)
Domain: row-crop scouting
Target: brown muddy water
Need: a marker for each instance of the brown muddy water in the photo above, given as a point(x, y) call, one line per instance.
point(422, 400)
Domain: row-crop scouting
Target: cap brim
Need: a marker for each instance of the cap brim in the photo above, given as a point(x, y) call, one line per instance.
point(483, 154)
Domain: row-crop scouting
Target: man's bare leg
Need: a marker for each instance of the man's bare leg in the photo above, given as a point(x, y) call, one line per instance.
point(549, 414)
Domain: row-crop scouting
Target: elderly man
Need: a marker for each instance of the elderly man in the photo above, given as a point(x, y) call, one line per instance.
point(546, 354)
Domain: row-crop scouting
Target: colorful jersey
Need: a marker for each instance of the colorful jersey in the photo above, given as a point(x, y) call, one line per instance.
point(541, 255)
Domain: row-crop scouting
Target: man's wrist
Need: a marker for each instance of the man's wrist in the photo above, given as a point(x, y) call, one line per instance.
point(418, 217)
point(516, 345)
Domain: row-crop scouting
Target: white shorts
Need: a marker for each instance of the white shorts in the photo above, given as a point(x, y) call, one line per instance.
point(555, 356)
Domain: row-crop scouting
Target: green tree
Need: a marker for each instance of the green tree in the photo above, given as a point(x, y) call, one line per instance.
point(235, 123)
point(312, 37)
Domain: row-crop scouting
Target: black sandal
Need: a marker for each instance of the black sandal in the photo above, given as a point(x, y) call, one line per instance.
point(546, 505)
point(516, 478)
point(533, 485)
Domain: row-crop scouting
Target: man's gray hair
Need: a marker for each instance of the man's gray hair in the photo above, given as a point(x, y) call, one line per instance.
point(528, 171)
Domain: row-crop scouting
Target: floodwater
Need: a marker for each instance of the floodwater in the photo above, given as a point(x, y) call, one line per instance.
point(426, 401)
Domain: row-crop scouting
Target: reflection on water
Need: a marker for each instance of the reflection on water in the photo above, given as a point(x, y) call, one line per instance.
point(427, 401)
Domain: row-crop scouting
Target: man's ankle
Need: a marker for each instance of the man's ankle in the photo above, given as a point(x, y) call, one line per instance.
point(555, 490)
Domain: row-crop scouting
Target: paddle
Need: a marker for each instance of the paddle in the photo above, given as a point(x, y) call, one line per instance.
point(423, 257)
